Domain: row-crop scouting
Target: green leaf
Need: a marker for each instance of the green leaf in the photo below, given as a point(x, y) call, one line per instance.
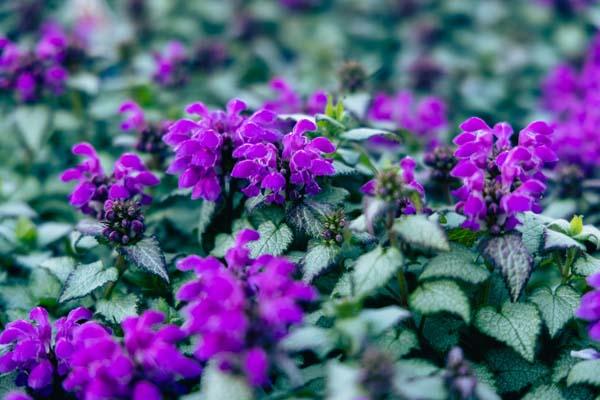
point(442, 332)
point(513, 373)
point(32, 123)
point(7, 383)
point(363, 133)
point(556, 306)
point(517, 324)
point(90, 227)
point(313, 338)
point(274, 239)
point(585, 372)
point(50, 232)
point(223, 242)
point(16, 209)
point(532, 232)
point(554, 240)
point(86, 278)
point(421, 232)
point(374, 269)
point(545, 392)
point(562, 366)
point(207, 213)
point(342, 381)
point(60, 267)
point(586, 265)
point(397, 345)
point(576, 225)
point(458, 264)
point(317, 259)
point(305, 219)
point(147, 255)
point(118, 307)
point(441, 296)
point(220, 385)
point(508, 254)
point(380, 320)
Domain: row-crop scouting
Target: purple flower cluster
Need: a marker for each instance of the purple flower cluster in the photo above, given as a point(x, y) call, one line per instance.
point(239, 311)
point(499, 179)
point(289, 101)
point(397, 186)
point(30, 74)
point(170, 65)
point(35, 352)
point(589, 309)
point(129, 179)
point(149, 135)
point(148, 365)
point(206, 151)
point(574, 100)
point(426, 119)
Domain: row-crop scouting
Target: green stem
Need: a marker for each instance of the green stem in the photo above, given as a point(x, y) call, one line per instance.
point(121, 265)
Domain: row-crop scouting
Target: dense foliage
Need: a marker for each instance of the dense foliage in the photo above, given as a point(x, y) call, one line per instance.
point(288, 199)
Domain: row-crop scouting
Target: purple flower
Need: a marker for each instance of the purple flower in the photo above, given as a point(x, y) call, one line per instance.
point(146, 366)
point(290, 102)
point(589, 309)
point(426, 119)
point(32, 350)
point(53, 44)
point(240, 311)
point(134, 116)
point(300, 162)
point(17, 396)
point(170, 63)
point(500, 180)
point(94, 187)
point(149, 135)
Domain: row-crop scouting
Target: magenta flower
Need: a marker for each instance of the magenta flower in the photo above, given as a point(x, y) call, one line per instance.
point(589, 309)
point(239, 311)
point(134, 116)
point(290, 102)
point(94, 187)
point(32, 350)
point(170, 64)
point(426, 119)
point(148, 365)
point(500, 180)
point(149, 135)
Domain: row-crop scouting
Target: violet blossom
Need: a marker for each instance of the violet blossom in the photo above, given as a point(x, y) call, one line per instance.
point(240, 310)
point(427, 119)
point(149, 135)
point(147, 366)
point(499, 179)
point(289, 101)
point(170, 64)
point(129, 179)
point(589, 309)
point(35, 352)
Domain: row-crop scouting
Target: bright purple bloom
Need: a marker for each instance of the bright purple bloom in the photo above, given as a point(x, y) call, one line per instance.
point(53, 44)
point(134, 116)
point(147, 365)
point(290, 102)
point(589, 309)
point(426, 119)
point(149, 134)
point(32, 350)
point(500, 180)
point(239, 311)
point(170, 63)
point(574, 100)
point(17, 396)
point(94, 187)
point(299, 163)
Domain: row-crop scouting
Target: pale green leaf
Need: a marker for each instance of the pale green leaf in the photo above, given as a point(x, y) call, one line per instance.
point(374, 269)
point(60, 267)
point(545, 392)
point(86, 278)
point(441, 296)
point(556, 306)
point(421, 232)
point(317, 259)
point(274, 239)
point(457, 264)
point(220, 385)
point(586, 265)
point(585, 372)
point(118, 307)
point(147, 255)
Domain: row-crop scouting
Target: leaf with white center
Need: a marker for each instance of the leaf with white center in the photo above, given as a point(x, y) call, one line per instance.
point(585, 372)
point(207, 213)
point(343, 381)
point(274, 239)
point(513, 373)
point(556, 306)
point(60, 267)
point(508, 254)
point(381, 319)
point(397, 345)
point(517, 324)
point(554, 240)
point(317, 259)
point(90, 227)
point(374, 269)
point(118, 307)
point(147, 255)
point(532, 232)
point(86, 278)
point(50, 232)
point(586, 265)
point(421, 232)
point(457, 264)
point(223, 242)
point(16, 209)
point(363, 133)
point(441, 296)
point(545, 392)
point(313, 338)
point(221, 385)
point(32, 123)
